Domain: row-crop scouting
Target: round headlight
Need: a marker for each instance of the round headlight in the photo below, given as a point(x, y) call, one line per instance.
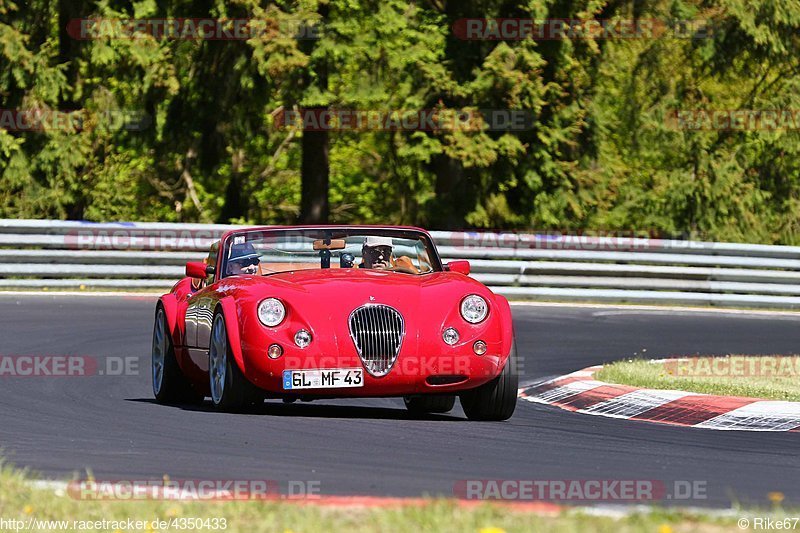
point(302, 338)
point(474, 308)
point(271, 312)
point(450, 336)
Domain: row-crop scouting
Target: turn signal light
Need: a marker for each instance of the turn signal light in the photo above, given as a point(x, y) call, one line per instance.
point(274, 351)
point(450, 336)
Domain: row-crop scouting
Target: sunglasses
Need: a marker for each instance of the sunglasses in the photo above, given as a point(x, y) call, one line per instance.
point(253, 261)
point(379, 250)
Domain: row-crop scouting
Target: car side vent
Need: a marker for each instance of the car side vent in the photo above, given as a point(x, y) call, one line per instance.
point(377, 331)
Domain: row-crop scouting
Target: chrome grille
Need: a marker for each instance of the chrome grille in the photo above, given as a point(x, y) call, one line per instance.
point(377, 331)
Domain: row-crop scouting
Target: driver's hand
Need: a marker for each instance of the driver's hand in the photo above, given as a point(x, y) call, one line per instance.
point(250, 269)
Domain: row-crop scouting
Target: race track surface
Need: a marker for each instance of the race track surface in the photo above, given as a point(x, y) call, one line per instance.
point(62, 426)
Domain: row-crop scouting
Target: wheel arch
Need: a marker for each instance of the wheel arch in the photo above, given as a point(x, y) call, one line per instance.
point(227, 307)
point(506, 323)
point(169, 303)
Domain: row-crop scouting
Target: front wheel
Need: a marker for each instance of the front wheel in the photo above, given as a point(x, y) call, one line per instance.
point(421, 405)
point(230, 390)
point(497, 399)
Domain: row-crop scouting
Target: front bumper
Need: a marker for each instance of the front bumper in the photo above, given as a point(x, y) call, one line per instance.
point(410, 374)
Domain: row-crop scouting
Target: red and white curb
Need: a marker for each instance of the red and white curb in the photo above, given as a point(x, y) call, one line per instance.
point(580, 393)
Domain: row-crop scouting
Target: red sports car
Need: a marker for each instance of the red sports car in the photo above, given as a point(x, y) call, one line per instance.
point(315, 312)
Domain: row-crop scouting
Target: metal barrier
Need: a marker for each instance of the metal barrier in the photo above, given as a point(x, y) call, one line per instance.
point(39, 254)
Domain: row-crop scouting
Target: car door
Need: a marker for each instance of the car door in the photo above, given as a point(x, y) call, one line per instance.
point(197, 304)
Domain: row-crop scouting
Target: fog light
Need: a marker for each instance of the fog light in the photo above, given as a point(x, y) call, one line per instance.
point(274, 351)
point(450, 336)
point(302, 338)
point(479, 347)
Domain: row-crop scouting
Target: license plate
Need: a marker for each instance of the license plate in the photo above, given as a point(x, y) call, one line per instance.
point(324, 378)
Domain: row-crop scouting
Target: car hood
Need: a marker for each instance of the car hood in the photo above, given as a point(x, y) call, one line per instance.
point(322, 300)
point(346, 289)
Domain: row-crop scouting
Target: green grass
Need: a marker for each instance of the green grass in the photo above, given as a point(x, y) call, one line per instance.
point(767, 377)
point(20, 501)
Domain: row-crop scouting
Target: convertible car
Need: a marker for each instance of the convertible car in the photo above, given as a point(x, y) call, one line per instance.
point(312, 312)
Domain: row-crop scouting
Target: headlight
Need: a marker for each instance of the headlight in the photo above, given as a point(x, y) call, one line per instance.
point(271, 312)
point(474, 308)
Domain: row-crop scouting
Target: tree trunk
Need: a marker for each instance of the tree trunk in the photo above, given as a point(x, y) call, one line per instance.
point(69, 50)
point(315, 165)
point(453, 194)
point(314, 208)
point(68, 46)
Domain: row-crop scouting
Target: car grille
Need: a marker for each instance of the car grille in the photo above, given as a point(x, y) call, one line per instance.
point(377, 331)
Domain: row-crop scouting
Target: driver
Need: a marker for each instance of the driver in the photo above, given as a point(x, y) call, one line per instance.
point(243, 260)
point(377, 253)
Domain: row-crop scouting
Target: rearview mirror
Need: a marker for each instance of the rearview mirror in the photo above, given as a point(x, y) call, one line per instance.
point(335, 244)
point(196, 270)
point(462, 267)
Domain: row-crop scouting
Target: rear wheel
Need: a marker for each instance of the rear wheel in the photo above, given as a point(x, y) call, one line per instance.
point(230, 390)
point(429, 404)
point(170, 386)
point(497, 399)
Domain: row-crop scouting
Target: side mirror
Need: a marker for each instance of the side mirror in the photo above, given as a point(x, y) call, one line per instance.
point(196, 269)
point(462, 267)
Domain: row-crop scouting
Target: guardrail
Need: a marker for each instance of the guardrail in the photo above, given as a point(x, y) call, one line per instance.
point(38, 254)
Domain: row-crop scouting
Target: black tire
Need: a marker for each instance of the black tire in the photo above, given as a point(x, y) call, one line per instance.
point(497, 399)
point(170, 386)
point(236, 393)
point(421, 405)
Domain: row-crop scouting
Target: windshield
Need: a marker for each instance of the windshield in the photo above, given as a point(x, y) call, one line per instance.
point(274, 251)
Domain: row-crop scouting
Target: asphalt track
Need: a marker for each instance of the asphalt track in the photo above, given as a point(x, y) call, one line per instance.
point(59, 426)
